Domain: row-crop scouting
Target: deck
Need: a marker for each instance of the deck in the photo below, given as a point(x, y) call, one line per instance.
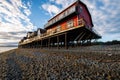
point(61, 38)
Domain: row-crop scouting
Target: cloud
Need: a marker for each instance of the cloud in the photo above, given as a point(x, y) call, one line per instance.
point(14, 19)
point(51, 9)
point(105, 15)
point(64, 3)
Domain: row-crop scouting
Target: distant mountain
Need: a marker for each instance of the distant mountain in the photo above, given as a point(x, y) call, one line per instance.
point(9, 46)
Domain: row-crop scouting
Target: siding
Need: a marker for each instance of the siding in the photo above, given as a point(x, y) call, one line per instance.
point(64, 24)
point(84, 14)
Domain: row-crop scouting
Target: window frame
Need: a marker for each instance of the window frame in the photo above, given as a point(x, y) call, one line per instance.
point(70, 23)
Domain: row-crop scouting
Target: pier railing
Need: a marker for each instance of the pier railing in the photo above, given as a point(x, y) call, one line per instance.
point(81, 23)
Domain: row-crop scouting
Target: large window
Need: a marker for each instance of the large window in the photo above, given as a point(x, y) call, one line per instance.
point(81, 22)
point(70, 24)
point(38, 33)
point(58, 28)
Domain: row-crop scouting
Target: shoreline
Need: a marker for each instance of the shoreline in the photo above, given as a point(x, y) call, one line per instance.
point(46, 64)
point(6, 49)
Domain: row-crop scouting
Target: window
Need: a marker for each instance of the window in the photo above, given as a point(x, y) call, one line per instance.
point(81, 9)
point(81, 21)
point(70, 24)
point(58, 28)
point(72, 9)
point(38, 32)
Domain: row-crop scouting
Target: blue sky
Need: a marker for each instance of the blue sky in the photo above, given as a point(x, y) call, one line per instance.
point(17, 17)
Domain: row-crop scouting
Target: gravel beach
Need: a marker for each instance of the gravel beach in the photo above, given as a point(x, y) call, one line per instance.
point(44, 64)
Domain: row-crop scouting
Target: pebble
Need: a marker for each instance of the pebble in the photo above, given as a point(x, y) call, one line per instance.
point(58, 66)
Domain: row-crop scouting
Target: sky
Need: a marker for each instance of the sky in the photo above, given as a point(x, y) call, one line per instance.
point(17, 17)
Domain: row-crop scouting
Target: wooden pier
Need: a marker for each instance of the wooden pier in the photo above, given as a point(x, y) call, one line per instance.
point(71, 27)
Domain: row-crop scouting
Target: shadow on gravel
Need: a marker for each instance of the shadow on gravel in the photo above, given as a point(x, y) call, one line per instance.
point(13, 70)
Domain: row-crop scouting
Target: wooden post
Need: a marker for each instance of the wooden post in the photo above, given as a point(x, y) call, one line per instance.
point(32, 45)
point(58, 42)
point(46, 42)
point(66, 45)
point(49, 43)
point(52, 43)
point(41, 44)
point(37, 44)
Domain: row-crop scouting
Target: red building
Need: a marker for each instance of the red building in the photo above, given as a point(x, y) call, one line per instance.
point(71, 26)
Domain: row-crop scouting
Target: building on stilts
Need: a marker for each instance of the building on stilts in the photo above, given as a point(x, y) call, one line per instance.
point(71, 27)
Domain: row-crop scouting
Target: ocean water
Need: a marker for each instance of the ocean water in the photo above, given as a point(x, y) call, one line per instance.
point(3, 49)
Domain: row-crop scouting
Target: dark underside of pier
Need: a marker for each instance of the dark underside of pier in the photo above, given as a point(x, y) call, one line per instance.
point(77, 36)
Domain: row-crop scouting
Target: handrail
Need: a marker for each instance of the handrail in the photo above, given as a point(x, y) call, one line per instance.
point(82, 23)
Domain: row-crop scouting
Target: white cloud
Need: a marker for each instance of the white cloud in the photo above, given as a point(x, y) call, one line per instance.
point(64, 3)
point(52, 0)
point(105, 15)
point(51, 9)
point(27, 8)
point(14, 18)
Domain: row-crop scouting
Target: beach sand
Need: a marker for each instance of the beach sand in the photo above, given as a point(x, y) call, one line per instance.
point(41, 64)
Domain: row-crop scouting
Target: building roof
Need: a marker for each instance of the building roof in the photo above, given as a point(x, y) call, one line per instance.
point(75, 3)
point(62, 11)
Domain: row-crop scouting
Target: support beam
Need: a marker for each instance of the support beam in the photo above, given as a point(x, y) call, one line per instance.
point(41, 44)
point(66, 45)
point(46, 43)
point(81, 37)
point(78, 36)
point(88, 37)
point(49, 43)
point(37, 44)
point(58, 42)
